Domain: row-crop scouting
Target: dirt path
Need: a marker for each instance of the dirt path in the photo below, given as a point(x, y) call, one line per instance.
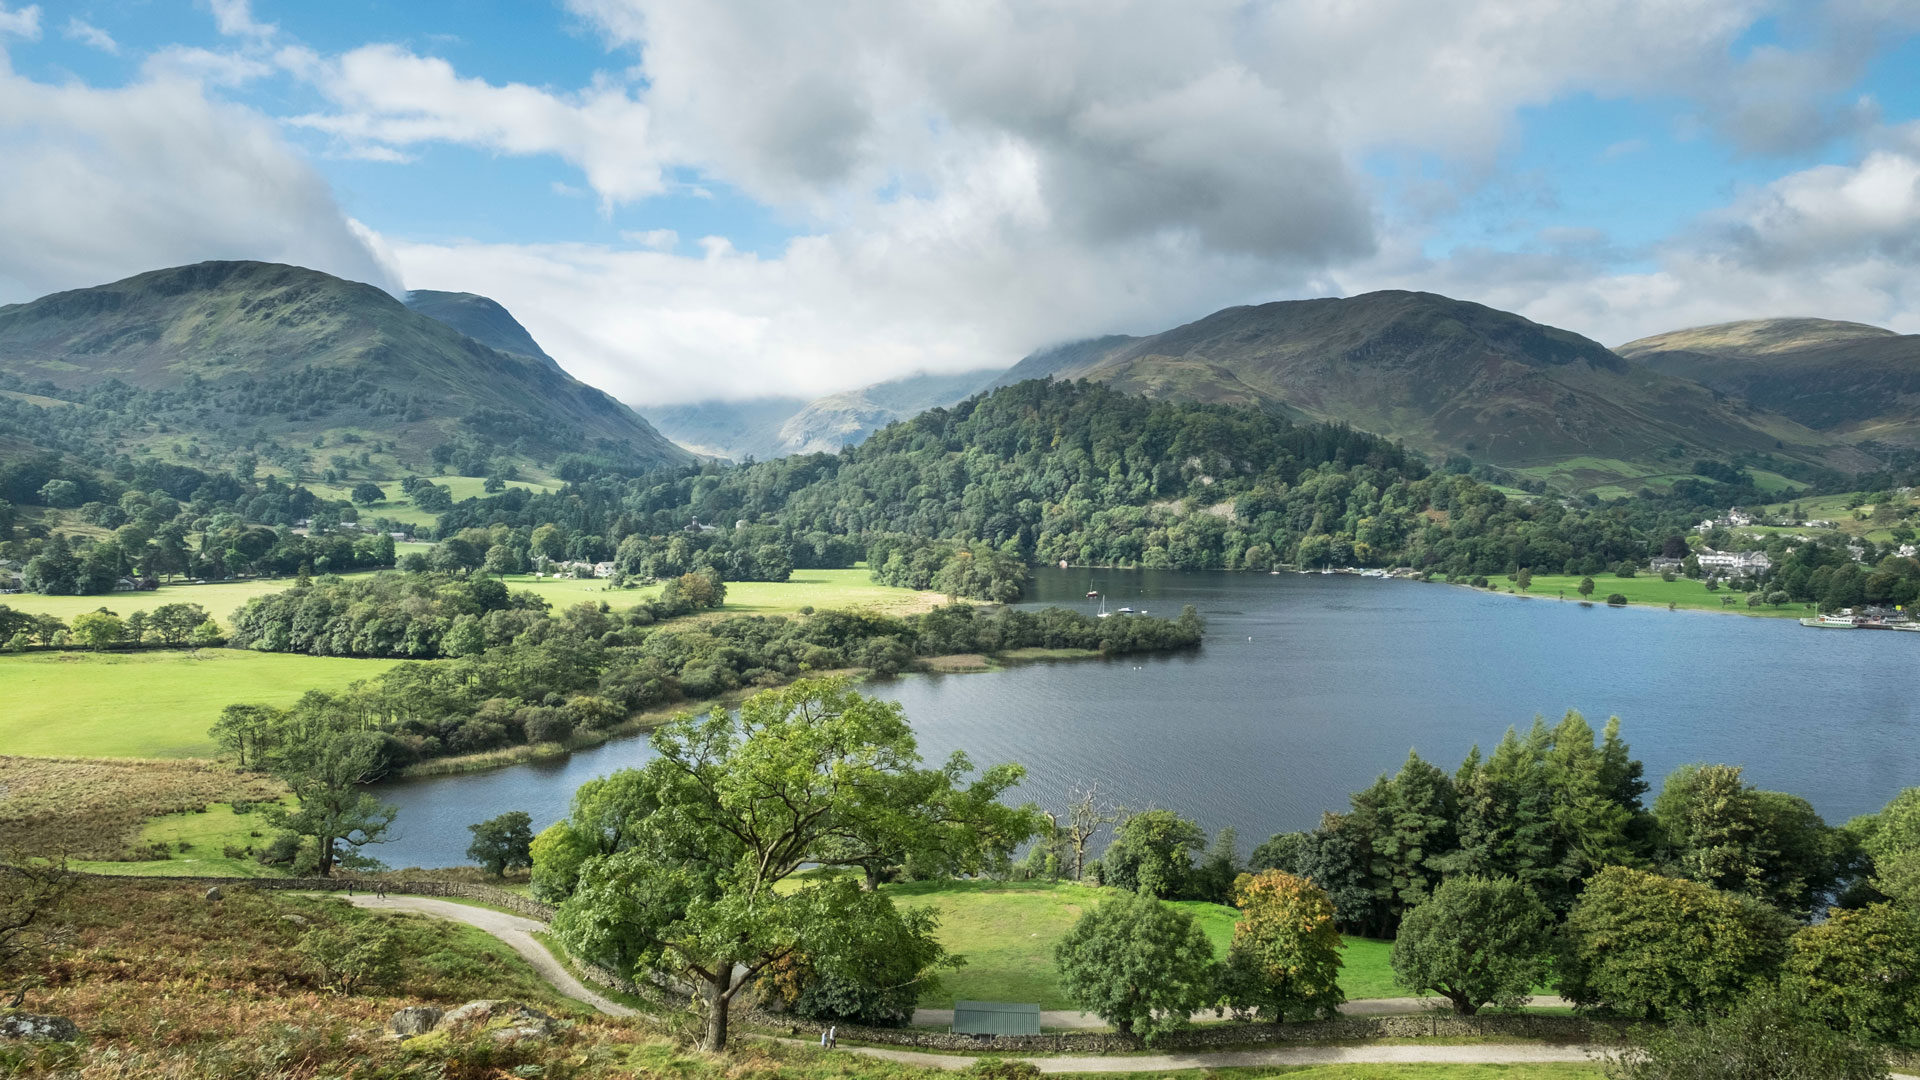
point(1068, 1020)
point(515, 930)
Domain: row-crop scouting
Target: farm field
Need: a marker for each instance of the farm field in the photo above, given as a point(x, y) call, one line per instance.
point(1007, 931)
point(400, 508)
point(221, 599)
point(152, 704)
point(822, 590)
point(1650, 591)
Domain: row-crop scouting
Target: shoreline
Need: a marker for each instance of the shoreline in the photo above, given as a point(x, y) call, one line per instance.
point(644, 722)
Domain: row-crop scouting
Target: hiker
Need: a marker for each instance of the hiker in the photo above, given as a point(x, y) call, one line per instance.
point(833, 1038)
point(823, 1038)
point(380, 889)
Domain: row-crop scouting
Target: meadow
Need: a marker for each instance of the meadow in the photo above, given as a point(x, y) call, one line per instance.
point(156, 703)
point(221, 599)
point(822, 590)
point(1648, 590)
point(1007, 931)
point(99, 809)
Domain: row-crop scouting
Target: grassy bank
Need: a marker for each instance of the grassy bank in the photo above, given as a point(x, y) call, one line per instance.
point(1007, 932)
point(821, 590)
point(155, 703)
point(195, 843)
point(1648, 590)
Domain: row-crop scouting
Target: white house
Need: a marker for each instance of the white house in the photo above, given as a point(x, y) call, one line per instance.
point(1734, 562)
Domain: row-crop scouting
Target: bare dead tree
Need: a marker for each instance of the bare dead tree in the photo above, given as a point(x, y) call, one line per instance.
point(32, 892)
point(1087, 811)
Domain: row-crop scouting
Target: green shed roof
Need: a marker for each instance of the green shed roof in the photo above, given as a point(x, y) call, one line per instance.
point(995, 1018)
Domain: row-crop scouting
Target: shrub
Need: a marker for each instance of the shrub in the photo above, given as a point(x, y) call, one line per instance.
point(1764, 1038)
point(353, 957)
point(1617, 600)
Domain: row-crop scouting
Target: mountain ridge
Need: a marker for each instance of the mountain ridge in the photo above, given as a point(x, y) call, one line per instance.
point(294, 353)
point(1448, 377)
point(1854, 381)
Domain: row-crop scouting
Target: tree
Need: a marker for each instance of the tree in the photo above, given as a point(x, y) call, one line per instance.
point(32, 895)
point(98, 630)
point(60, 493)
point(1152, 854)
point(175, 622)
point(502, 843)
point(1586, 587)
point(325, 757)
point(1650, 946)
point(1476, 941)
point(1212, 880)
point(1718, 830)
point(734, 805)
point(366, 493)
point(1285, 957)
point(1087, 813)
point(1764, 1038)
point(247, 731)
point(1860, 972)
point(1137, 964)
point(1523, 580)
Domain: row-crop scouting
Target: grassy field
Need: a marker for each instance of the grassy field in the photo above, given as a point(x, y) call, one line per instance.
point(157, 703)
point(221, 600)
point(98, 809)
point(822, 590)
point(1007, 931)
point(400, 508)
point(1650, 591)
point(196, 844)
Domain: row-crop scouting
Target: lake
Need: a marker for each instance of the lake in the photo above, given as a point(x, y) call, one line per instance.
point(1309, 686)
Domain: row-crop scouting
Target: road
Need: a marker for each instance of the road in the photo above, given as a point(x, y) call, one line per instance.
point(515, 930)
point(1066, 1020)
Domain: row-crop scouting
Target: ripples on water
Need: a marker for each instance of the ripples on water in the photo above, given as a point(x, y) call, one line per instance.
point(1308, 686)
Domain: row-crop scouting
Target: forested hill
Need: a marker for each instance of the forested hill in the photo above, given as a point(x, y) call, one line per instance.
point(1075, 471)
point(283, 355)
point(1448, 377)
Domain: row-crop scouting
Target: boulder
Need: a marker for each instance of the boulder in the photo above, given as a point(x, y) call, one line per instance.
point(504, 1021)
point(417, 1020)
point(31, 1026)
point(214, 893)
point(297, 920)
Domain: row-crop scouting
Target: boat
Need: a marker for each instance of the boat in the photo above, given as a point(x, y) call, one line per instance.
point(1126, 611)
point(1904, 626)
point(1103, 612)
point(1832, 622)
point(1091, 593)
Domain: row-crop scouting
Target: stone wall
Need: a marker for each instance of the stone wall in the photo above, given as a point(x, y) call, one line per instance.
point(1426, 1025)
point(486, 894)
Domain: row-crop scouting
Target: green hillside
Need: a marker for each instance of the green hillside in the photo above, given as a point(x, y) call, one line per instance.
point(261, 353)
point(1848, 380)
point(1448, 378)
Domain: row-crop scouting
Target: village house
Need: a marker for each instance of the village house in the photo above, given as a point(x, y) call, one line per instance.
point(1663, 565)
point(1733, 563)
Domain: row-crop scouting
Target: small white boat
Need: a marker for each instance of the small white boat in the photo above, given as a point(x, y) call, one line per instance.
point(1126, 611)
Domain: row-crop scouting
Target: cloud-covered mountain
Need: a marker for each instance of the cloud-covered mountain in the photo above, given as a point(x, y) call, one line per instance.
point(763, 428)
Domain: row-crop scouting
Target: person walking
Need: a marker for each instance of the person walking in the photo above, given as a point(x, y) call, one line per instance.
point(833, 1038)
point(823, 1038)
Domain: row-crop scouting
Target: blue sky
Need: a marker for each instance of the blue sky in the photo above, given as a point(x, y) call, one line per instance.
point(727, 198)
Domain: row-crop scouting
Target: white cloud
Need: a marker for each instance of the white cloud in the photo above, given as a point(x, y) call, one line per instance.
point(1833, 241)
point(93, 37)
point(224, 69)
point(234, 18)
point(105, 183)
point(20, 22)
point(653, 239)
point(391, 98)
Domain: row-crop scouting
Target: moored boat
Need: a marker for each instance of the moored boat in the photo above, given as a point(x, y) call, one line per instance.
point(1832, 622)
